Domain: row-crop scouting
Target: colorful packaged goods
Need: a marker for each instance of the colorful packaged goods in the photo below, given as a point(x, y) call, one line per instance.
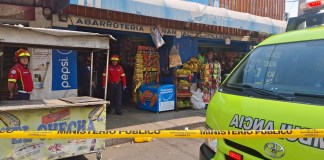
point(147, 68)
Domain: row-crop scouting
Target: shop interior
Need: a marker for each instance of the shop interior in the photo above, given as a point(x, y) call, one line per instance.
point(6, 62)
point(126, 48)
point(215, 60)
point(227, 55)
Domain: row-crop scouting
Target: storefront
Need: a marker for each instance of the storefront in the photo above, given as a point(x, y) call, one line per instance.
point(126, 48)
point(195, 37)
point(190, 45)
point(131, 38)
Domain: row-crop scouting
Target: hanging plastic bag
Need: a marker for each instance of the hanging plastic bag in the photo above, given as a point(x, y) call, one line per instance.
point(156, 37)
point(196, 100)
point(174, 57)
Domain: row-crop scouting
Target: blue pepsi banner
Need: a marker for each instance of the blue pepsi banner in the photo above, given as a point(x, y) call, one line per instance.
point(64, 70)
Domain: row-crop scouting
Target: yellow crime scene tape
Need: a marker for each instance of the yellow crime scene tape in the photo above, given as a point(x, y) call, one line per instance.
point(300, 133)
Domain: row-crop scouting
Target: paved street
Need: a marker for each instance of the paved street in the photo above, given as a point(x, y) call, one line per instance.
point(135, 119)
point(158, 149)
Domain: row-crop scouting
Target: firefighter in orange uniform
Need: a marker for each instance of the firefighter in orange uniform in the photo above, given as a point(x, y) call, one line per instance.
point(116, 83)
point(20, 82)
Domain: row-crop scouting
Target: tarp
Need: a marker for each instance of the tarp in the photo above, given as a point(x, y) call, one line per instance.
point(190, 12)
point(53, 38)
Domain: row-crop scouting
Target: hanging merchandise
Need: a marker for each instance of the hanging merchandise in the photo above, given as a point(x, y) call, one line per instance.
point(138, 74)
point(147, 68)
point(201, 59)
point(156, 37)
point(174, 57)
point(210, 77)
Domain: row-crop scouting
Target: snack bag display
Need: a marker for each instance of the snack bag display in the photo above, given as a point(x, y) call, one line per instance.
point(147, 68)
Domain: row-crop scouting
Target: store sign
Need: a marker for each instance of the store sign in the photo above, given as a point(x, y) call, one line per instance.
point(64, 70)
point(87, 22)
point(120, 26)
point(17, 12)
point(63, 119)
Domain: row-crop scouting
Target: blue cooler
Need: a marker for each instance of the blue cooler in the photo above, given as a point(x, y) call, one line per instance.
point(156, 97)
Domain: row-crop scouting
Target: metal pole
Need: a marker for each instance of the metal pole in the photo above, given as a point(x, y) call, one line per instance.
point(106, 80)
point(91, 74)
point(300, 12)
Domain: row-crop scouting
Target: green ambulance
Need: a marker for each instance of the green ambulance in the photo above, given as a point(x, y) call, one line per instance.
point(279, 85)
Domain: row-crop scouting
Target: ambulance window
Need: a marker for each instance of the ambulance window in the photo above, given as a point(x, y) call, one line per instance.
point(254, 69)
point(300, 68)
point(284, 68)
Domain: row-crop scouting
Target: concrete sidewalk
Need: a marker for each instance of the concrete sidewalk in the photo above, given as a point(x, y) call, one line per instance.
point(136, 119)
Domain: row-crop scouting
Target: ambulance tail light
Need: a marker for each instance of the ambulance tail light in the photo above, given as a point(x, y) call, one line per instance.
point(234, 156)
point(312, 16)
point(312, 7)
point(314, 4)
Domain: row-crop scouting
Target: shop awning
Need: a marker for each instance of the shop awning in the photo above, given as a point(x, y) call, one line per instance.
point(52, 38)
point(190, 12)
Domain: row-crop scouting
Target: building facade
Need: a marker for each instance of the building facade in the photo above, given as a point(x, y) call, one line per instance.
point(223, 26)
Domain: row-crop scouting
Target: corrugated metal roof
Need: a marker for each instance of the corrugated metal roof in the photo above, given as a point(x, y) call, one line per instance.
point(53, 38)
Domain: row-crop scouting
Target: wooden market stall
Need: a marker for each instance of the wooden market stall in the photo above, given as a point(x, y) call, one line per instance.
point(66, 114)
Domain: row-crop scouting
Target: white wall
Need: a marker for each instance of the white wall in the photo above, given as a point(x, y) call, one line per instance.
point(40, 20)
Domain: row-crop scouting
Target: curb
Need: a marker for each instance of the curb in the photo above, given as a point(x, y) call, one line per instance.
point(113, 142)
